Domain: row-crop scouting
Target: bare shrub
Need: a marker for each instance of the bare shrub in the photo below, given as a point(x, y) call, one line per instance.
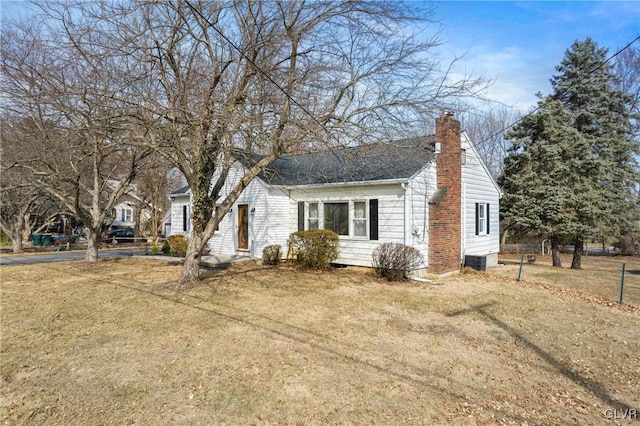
point(271, 254)
point(394, 261)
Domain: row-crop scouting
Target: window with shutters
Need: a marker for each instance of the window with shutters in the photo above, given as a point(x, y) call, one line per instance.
point(356, 219)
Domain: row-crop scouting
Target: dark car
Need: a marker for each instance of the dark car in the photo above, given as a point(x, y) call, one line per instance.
point(119, 236)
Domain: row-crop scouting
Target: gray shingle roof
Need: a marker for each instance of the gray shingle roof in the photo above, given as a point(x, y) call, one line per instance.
point(397, 160)
point(180, 191)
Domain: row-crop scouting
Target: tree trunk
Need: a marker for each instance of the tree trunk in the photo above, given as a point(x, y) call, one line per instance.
point(93, 239)
point(503, 240)
point(191, 268)
point(16, 241)
point(555, 252)
point(577, 254)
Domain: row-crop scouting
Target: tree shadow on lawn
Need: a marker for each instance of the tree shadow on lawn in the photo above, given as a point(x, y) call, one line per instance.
point(399, 369)
point(590, 385)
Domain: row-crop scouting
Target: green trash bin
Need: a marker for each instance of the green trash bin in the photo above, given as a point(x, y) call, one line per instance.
point(47, 240)
point(36, 238)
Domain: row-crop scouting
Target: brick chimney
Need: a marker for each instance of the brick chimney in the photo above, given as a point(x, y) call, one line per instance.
point(445, 206)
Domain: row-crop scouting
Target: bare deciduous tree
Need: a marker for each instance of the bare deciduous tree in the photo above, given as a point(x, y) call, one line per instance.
point(57, 77)
point(207, 82)
point(486, 127)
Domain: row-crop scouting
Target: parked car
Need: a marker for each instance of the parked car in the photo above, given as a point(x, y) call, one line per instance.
point(119, 236)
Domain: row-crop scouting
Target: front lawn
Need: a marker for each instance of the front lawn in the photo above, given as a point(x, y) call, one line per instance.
point(114, 343)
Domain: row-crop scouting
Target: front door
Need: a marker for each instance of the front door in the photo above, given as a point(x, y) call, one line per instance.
point(243, 227)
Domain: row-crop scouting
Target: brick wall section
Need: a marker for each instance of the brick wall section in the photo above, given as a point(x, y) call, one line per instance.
point(445, 216)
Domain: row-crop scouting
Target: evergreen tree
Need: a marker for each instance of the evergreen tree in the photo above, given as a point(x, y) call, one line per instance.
point(587, 86)
point(571, 172)
point(547, 177)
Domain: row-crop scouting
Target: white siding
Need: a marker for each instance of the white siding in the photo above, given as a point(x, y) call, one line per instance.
point(225, 240)
point(278, 225)
point(177, 213)
point(478, 187)
point(391, 216)
point(421, 189)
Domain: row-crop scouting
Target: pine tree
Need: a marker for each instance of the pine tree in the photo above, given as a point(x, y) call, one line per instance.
point(587, 86)
point(547, 176)
point(571, 172)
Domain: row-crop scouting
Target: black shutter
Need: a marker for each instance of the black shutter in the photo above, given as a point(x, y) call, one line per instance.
point(373, 219)
point(184, 218)
point(477, 219)
point(488, 219)
point(300, 215)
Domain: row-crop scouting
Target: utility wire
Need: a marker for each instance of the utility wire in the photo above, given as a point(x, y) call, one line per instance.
point(199, 13)
point(537, 108)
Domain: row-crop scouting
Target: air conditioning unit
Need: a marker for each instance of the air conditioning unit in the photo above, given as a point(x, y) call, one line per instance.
point(479, 263)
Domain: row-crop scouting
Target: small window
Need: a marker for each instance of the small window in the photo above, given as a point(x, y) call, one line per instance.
point(482, 219)
point(313, 220)
point(336, 217)
point(463, 156)
point(127, 215)
point(360, 219)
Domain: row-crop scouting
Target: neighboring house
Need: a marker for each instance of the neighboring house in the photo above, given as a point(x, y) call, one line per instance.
point(124, 213)
point(432, 193)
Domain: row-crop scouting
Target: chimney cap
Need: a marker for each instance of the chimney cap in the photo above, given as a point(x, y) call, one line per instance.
point(448, 112)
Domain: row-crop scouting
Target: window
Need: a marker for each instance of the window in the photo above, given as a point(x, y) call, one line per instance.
point(127, 215)
point(336, 217)
point(360, 219)
point(482, 219)
point(313, 220)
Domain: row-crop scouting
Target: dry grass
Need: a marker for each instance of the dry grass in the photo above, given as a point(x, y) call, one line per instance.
point(600, 276)
point(113, 343)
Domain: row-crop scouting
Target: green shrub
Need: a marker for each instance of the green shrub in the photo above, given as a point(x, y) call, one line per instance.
point(315, 249)
point(394, 261)
point(178, 245)
point(155, 249)
point(166, 249)
point(271, 254)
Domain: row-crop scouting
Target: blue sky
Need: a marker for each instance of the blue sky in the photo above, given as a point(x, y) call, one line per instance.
point(519, 44)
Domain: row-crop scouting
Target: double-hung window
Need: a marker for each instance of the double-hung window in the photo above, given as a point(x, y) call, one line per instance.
point(313, 219)
point(127, 215)
point(482, 219)
point(359, 219)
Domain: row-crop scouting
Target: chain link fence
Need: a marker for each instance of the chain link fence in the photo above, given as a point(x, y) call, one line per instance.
point(612, 277)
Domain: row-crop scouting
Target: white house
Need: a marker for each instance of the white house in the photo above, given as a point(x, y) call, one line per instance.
point(432, 193)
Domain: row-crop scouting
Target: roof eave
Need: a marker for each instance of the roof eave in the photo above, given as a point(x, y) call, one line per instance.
point(396, 181)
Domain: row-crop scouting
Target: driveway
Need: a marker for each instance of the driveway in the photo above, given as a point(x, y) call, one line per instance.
point(66, 256)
